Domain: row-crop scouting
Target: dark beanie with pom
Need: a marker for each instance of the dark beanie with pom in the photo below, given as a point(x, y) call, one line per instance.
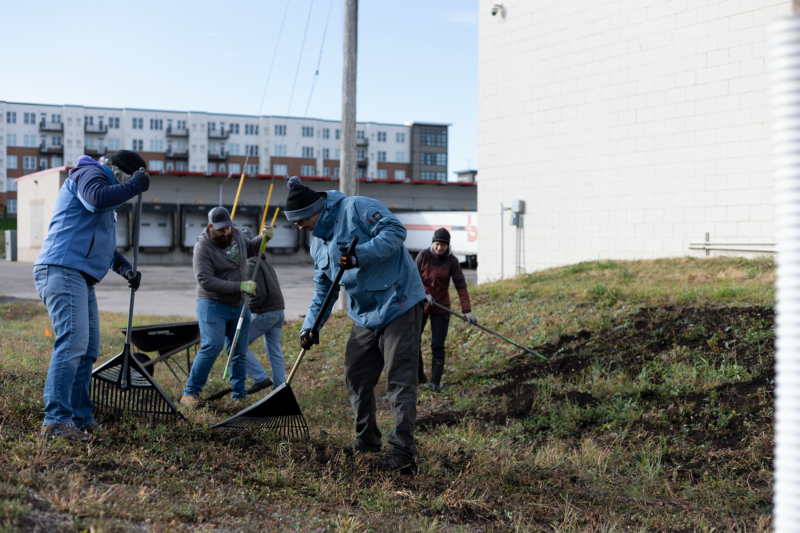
point(128, 161)
point(302, 202)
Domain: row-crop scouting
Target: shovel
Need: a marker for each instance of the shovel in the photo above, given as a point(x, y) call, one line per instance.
point(279, 411)
point(496, 334)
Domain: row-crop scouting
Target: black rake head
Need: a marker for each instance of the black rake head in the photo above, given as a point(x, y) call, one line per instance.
point(277, 412)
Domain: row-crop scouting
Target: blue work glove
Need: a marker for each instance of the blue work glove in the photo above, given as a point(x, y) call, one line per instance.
point(133, 281)
point(348, 261)
point(307, 340)
point(143, 177)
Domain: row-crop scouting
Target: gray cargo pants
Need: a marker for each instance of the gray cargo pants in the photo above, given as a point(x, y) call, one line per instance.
point(395, 347)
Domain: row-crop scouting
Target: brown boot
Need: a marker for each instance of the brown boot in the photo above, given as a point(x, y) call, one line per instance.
point(190, 401)
point(65, 431)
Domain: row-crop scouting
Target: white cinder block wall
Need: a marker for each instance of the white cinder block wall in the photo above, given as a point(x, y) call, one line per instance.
point(630, 127)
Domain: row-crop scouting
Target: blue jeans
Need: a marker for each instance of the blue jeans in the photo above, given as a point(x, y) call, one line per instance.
point(217, 328)
point(72, 307)
point(269, 325)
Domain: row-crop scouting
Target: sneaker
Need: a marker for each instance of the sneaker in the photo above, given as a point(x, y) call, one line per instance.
point(190, 401)
point(395, 463)
point(90, 427)
point(350, 450)
point(65, 431)
point(259, 386)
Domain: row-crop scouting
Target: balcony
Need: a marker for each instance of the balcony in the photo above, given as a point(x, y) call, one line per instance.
point(177, 132)
point(222, 155)
point(221, 134)
point(102, 150)
point(172, 154)
point(91, 128)
point(362, 162)
point(362, 142)
point(50, 126)
point(44, 148)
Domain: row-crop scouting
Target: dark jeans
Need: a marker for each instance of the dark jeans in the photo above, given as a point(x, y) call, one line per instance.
point(440, 322)
point(395, 347)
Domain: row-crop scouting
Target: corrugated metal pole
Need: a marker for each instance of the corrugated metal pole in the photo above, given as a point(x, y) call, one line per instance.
point(347, 163)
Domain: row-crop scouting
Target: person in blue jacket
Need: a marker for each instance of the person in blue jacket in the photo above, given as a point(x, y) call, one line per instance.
point(79, 249)
point(385, 295)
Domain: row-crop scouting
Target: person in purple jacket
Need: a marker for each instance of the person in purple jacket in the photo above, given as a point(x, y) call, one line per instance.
point(79, 250)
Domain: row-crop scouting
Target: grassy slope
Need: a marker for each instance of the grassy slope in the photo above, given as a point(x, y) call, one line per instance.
point(658, 418)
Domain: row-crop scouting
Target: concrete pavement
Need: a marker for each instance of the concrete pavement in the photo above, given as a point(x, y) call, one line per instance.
point(168, 290)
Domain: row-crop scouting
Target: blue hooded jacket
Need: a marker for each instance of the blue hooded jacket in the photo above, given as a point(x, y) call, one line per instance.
point(82, 232)
point(386, 283)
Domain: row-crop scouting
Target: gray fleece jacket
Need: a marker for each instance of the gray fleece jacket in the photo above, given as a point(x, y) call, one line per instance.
point(218, 277)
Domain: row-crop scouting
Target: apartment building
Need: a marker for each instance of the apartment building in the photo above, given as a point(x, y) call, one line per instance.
point(35, 137)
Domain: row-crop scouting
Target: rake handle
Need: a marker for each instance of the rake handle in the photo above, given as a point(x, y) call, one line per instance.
point(126, 360)
point(321, 315)
point(487, 330)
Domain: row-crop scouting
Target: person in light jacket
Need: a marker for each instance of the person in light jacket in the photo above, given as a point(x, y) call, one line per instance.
point(385, 296)
point(79, 250)
point(437, 266)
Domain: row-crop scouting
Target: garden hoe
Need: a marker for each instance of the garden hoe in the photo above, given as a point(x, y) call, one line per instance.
point(122, 385)
point(496, 334)
point(279, 411)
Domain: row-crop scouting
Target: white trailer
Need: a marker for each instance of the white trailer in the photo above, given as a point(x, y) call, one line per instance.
point(462, 225)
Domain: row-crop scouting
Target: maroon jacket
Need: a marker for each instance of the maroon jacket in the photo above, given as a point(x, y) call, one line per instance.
point(436, 271)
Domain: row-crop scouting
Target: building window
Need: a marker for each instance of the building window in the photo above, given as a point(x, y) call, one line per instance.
point(381, 157)
point(29, 162)
point(428, 176)
point(155, 165)
point(360, 154)
point(155, 123)
point(433, 137)
point(212, 168)
point(360, 135)
point(156, 145)
point(252, 129)
point(233, 149)
point(383, 174)
point(280, 130)
point(251, 169)
point(29, 118)
point(29, 141)
point(336, 172)
point(360, 172)
point(234, 168)
point(212, 126)
point(430, 158)
point(308, 151)
point(137, 144)
point(381, 136)
point(113, 122)
point(42, 163)
point(138, 123)
point(280, 149)
point(11, 185)
point(326, 171)
point(400, 174)
point(89, 143)
point(280, 170)
point(326, 133)
point(11, 117)
point(308, 131)
point(326, 153)
point(307, 170)
point(56, 161)
point(181, 124)
point(338, 134)
point(55, 119)
point(400, 137)
point(441, 160)
point(399, 157)
point(170, 165)
point(338, 154)
point(251, 149)
point(181, 166)
point(12, 139)
point(56, 140)
point(441, 176)
point(233, 128)
point(113, 145)
point(11, 206)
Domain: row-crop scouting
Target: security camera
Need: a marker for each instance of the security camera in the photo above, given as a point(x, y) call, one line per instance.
point(496, 9)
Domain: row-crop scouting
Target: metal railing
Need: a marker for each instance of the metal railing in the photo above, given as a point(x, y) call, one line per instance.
point(51, 149)
point(222, 155)
point(91, 128)
point(221, 134)
point(50, 126)
point(176, 154)
point(177, 132)
point(747, 247)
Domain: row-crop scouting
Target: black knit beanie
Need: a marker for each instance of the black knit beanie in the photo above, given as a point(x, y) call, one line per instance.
point(128, 161)
point(302, 202)
point(441, 235)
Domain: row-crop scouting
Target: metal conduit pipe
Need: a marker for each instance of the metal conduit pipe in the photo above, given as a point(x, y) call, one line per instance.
point(785, 66)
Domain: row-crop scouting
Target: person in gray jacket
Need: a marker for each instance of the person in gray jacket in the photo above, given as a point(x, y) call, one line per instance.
point(267, 317)
point(221, 275)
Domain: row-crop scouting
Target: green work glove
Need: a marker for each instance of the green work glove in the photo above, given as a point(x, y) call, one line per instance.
point(269, 232)
point(249, 287)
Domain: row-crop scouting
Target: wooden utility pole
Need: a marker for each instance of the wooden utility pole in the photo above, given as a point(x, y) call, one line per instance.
point(347, 163)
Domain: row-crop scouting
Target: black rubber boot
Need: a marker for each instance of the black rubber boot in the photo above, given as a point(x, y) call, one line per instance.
point(436, 375)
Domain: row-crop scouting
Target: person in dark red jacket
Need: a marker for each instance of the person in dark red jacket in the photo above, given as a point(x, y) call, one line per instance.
point(437, 265)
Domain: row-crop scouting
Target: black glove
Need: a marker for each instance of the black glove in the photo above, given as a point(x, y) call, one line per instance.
point(133, 281)
point(143, 177)
point(307, 340)
point(348, 261)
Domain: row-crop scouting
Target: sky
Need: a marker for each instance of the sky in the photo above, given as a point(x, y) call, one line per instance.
point(417, 60)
